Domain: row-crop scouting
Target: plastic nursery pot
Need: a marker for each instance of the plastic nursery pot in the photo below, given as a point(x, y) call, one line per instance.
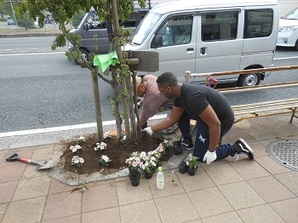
point(183, 167)
point(135, 177)
point(148, 175)
point(192, 171)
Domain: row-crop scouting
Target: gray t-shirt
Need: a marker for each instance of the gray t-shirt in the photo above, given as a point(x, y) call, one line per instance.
point(152, 99)
point(195, 98)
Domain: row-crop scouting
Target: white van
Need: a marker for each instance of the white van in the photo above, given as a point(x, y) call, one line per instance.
point(288, 30)
point(209, 35)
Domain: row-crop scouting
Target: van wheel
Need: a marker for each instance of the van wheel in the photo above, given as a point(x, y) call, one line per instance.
point(84, 57)
point(296, 45)
point(249, 79)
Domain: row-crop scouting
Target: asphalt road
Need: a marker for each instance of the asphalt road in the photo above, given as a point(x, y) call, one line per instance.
point(40, 88)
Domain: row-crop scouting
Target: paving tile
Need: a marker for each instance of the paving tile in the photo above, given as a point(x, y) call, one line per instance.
point(7, 191)
point(100, 197)
point(199, 181)
point(3, 208)
point(222, 174)
point(72, 219)
point(270, 189)
point(33, 187)
point(139, 212)
point(176, 208)
point(249, 169)
point(271, 165)
point(62, 205)
point(12, 172)
point(260, 214)
point(31, 172)
point(128, 194)
point(58, 187)
point(110, 215)
point(240, 195)
point(29, 209)
point(42, 153)
point(287, 209)
point(259, 148)
point(209, 201)
point(195, 221)
point(172, 185)
point(290, 180)
point(224, 218)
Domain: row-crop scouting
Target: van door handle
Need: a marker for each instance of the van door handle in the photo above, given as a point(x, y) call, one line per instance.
point(189, 50)
point(203, 50)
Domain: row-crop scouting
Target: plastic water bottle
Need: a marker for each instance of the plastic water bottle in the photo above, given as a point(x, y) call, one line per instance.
point(160, 179)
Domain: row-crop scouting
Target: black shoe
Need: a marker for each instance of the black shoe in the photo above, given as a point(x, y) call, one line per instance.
point(241, 146)
point(183, 144)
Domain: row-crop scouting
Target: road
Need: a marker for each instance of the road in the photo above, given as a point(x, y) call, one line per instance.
point(40, 88)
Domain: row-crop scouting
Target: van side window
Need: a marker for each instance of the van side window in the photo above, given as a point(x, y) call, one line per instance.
point(258, 23)
point(219, 25)
point(175, 31)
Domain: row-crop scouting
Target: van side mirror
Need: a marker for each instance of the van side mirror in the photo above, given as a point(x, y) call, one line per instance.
point(86, 26)
point(157, 41)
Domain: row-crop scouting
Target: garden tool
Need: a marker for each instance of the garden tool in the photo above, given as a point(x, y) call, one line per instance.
point(40, 166)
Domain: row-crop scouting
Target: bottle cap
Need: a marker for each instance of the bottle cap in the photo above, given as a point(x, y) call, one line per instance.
point(159, 169)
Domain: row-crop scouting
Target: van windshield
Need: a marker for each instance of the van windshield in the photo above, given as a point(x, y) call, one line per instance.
point(293, 15)
point(144, 28)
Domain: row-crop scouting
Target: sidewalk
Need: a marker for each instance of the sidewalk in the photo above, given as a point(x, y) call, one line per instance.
point(225, 191)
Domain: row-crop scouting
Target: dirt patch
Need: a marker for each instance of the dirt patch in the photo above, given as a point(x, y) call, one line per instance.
point(116, 151)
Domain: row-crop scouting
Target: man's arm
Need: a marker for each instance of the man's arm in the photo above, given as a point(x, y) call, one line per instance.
point(170, 120)
point(209, 117)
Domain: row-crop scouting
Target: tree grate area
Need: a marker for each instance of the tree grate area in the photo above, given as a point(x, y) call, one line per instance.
point(285, 152)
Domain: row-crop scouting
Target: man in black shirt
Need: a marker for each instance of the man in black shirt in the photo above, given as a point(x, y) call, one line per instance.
point(212, 112)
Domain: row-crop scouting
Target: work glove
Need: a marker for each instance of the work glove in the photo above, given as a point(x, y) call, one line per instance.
point(209, 157)
point(147, 131)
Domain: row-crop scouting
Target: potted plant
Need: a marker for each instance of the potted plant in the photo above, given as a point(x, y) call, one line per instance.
point(148, 165)
point(192, 164)
point(134, 165)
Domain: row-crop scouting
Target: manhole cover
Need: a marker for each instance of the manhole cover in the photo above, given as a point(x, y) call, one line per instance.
point(285, 152)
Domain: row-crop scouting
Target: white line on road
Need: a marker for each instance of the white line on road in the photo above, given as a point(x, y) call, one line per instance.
point(65, 128)
point(286, 58)
point(29, 54)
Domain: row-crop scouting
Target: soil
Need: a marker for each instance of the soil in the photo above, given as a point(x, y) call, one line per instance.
point(116, 151)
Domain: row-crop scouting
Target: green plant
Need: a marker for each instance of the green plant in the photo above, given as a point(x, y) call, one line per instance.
point(77, 161)
point(149, 163)
point(104, 160)
point(192, 161)
point(134, 161)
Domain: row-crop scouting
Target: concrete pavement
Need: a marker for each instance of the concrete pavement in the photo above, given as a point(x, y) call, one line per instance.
point(225, 191)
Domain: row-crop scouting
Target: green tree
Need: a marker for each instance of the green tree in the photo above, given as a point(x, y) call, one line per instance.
point(119, 77)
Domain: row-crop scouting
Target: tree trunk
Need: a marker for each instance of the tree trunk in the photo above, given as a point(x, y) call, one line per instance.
point(97, 106)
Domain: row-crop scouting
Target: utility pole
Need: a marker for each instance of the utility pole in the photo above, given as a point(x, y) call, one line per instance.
point(14, 15)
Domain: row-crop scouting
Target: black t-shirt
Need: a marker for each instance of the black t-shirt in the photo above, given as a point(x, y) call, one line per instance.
point(195, 98)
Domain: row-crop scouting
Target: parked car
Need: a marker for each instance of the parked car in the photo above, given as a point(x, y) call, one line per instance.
point(288, 30)
point(10, 21)
point(94, 35)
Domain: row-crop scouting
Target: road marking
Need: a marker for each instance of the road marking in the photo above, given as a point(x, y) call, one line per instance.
point(65, 128)
point(286, 58)
point(29, 54)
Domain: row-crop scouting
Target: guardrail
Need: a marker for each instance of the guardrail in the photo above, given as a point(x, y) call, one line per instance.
point(210, 76)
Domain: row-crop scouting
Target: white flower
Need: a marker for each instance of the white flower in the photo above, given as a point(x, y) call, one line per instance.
point(100, 146)
point(77, 161)
point(75, 148)
point(105, 160)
